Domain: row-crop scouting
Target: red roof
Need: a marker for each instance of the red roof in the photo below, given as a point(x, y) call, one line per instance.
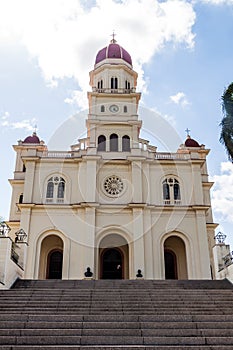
point(191, 142)
point(32, 139)
point(113, 50)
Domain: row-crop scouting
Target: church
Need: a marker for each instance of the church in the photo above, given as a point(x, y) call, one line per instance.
point(113, 206)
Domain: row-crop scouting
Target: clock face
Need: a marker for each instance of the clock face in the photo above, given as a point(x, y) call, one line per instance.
point(114, 108)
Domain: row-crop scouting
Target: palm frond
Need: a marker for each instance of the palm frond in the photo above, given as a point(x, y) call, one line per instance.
point(226, 136)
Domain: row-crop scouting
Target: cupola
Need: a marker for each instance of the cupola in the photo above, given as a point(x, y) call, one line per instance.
point(191, 142)
point(32, 139)
point(112, 52)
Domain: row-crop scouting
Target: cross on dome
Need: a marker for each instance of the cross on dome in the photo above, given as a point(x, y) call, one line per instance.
point(188, 132)
point(113, 41)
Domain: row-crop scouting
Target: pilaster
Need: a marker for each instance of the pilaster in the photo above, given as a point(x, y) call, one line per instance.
point(138, 242)
point(29, 181)
point(148, 245)
point(91, 179)
point(202, 254)
point(137, 181)
point(89, 245)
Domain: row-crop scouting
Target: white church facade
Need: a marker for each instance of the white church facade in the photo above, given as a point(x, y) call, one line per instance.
point(113, 203)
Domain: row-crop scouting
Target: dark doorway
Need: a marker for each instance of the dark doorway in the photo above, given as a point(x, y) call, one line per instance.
point(170, 265)
point(55, 264)
point(112, 264)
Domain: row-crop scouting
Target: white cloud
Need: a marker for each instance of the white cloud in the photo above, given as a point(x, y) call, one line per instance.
point(26, 124)
point(78, 97)
point(180, 99)
point(65, 37)
point(218, 2)
point(222, 193)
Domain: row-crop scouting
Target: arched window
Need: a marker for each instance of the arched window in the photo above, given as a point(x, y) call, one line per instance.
point(102, 108)
point(127, 85)
point(24, 168)
point(125, 109)
point(21, 198)
point(166, 191)
point(100, 84)
point(125, 143)
point(113, 143)
point(114, 83)
point(101, 143)
point(171, 191)
point(50, 188)
point(61, 189)
point(176, 190)
point(55, 190)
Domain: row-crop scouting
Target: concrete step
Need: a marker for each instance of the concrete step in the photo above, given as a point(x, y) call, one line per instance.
point(117, 315)
point(179, 284)
point(116, 332)
point(125, 347)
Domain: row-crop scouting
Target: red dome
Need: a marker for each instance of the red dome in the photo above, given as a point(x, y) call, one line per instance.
point(191, 143)
point(32, 139)
point(113, 50)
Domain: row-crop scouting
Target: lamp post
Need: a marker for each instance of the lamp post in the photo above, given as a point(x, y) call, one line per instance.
point(4, 229)
point(20, 236)
point(220, 237)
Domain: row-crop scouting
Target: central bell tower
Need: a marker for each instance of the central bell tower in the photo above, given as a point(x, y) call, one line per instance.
point(112, 123)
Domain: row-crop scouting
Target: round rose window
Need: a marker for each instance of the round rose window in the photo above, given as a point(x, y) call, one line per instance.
point(113, 185)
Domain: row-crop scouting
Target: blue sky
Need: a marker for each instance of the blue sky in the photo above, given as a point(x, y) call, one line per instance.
point(182, 51)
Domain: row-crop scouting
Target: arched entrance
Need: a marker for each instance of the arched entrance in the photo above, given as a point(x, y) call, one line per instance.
point(175, 262)
point(54, 264)
point(112, 262)
point(51, 258)
point(113, 257)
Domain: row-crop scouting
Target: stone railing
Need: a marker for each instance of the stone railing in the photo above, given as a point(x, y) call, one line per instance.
point(114, 91)
point(164, 155)
point(57, 154)
point(174, 202)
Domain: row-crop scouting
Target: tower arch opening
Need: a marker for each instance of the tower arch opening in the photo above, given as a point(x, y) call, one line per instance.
point(175, 261)
point(113, 143)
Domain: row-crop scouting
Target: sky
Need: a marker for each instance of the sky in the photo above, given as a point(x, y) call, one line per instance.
point(182, 51)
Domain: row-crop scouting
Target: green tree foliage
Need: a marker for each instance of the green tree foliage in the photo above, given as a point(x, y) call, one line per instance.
point(226, 136)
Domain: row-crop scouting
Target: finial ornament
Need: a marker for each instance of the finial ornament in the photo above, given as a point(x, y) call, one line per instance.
point(35, 129)
point(113, 41)
point(188, 132)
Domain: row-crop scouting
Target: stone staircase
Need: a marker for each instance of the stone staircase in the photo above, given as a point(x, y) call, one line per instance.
point(117, 314)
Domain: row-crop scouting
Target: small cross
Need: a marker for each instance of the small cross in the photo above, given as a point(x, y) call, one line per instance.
point(188, 131)
point(113, 37)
